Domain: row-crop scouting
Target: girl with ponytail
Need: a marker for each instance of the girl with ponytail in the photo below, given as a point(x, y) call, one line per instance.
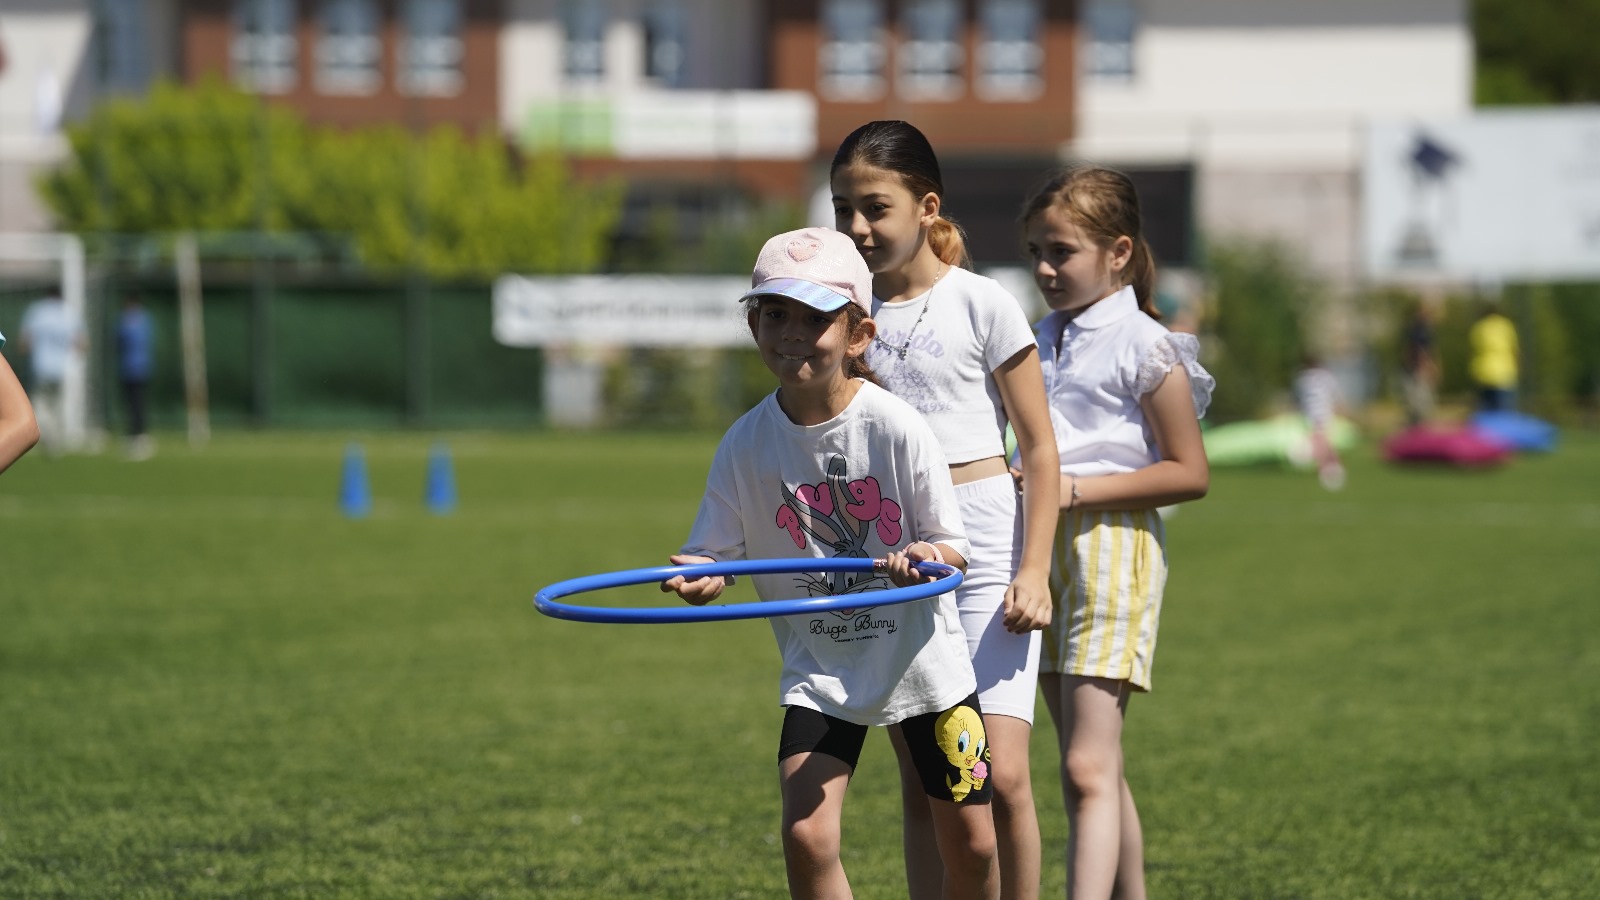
point(1126, 396)
point(958, 347)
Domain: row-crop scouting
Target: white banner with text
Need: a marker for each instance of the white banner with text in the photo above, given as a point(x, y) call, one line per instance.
point(621, 310)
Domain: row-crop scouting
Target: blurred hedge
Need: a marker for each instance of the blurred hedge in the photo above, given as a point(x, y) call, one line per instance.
point(1558, 331)
point(1260, 295)
point(212, 159)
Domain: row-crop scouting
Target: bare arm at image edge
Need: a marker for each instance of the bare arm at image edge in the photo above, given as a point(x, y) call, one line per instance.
point(18, 430)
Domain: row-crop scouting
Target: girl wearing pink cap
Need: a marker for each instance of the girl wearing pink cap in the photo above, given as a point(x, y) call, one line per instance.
point(831, 464)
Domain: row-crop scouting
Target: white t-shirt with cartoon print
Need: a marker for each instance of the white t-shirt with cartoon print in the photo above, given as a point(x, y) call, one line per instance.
point(971, 325)
point(869, 481)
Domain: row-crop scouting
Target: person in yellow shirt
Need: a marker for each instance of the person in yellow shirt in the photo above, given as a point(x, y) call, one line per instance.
point(1494, 359)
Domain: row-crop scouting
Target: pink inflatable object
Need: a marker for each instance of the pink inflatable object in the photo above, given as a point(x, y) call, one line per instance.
point(1466, 447)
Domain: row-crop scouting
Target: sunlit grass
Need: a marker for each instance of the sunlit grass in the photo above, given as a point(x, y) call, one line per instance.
point(213, 684)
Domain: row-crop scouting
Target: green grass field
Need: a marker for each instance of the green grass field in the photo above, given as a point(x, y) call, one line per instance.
point(212, 684)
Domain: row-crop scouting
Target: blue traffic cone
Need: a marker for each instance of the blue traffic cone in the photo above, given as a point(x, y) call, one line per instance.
point(440, 491)
point(355, 494)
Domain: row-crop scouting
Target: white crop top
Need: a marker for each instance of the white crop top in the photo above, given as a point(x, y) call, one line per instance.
point(972, 325)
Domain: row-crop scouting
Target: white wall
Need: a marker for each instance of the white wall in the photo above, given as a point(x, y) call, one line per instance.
point(44, 83)
point(51, 66)
point(1274, 83)
point(46, 44)
point(1269, 101)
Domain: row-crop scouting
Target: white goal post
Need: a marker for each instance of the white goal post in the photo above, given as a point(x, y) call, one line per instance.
point(62, 257)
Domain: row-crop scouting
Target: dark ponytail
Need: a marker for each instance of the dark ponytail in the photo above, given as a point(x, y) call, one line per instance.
point(1103, 203)
point(899, 148)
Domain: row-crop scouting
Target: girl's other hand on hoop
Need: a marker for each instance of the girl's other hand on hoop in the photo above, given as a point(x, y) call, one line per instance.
point(699, 591)
point(901, 563)
point(1016, 476)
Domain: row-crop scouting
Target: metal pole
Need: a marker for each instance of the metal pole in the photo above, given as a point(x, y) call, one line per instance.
point(191, 325)
point(261, 296)
point(414, 326)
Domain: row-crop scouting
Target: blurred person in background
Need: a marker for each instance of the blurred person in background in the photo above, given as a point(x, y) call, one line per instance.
point(52, 336)
point(18, 429)
point(1494, 359)
point(1419, 365)
point(1316, 393)
point(135, 362)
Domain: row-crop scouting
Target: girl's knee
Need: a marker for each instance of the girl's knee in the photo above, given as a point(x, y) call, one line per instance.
point(813, 838)
point(1087, 773)
point(1010, 776)
point(971, 858)
point(1011, 802)
point(971, 861)
point(979, 847)
point(967, 840)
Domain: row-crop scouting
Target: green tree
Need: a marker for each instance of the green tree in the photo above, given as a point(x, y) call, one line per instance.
point(1536, 51)
point(210, 158)
point(1260, 295)
point(1578, 306)
point(193, 160)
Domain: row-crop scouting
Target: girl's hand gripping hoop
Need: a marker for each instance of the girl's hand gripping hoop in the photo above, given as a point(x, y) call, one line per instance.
point(946, 578)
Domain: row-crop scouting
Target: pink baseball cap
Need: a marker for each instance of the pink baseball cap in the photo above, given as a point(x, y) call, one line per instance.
point(819, 267)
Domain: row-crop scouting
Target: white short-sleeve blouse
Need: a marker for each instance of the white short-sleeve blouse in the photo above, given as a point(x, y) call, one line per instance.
point(1097, 365)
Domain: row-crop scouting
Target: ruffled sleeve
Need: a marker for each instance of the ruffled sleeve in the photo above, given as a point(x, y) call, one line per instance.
point(1175, 348)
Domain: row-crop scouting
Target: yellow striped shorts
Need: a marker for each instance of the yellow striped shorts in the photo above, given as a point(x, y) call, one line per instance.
point(1107, 576)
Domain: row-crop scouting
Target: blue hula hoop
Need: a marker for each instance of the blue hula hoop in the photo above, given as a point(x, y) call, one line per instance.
point(946, 579)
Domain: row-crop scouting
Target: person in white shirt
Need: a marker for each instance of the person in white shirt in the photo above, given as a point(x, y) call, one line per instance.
point(18, 429)
point(1126, 396)
point(958, 347)
point(1317, 394)
point(830, 464)
point(52, 336)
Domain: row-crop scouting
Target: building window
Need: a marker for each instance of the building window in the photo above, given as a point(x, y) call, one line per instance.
point(1110, 27)
point(264, 48)
point(665, 56)
point(430, 48)
point(931, 57)
point(1010, 56)
point(853, 54)
point(127, 46)
point(585, 49)
point(348, 48)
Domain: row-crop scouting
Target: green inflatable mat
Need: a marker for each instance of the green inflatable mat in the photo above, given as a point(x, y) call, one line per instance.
point(1281, 440)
